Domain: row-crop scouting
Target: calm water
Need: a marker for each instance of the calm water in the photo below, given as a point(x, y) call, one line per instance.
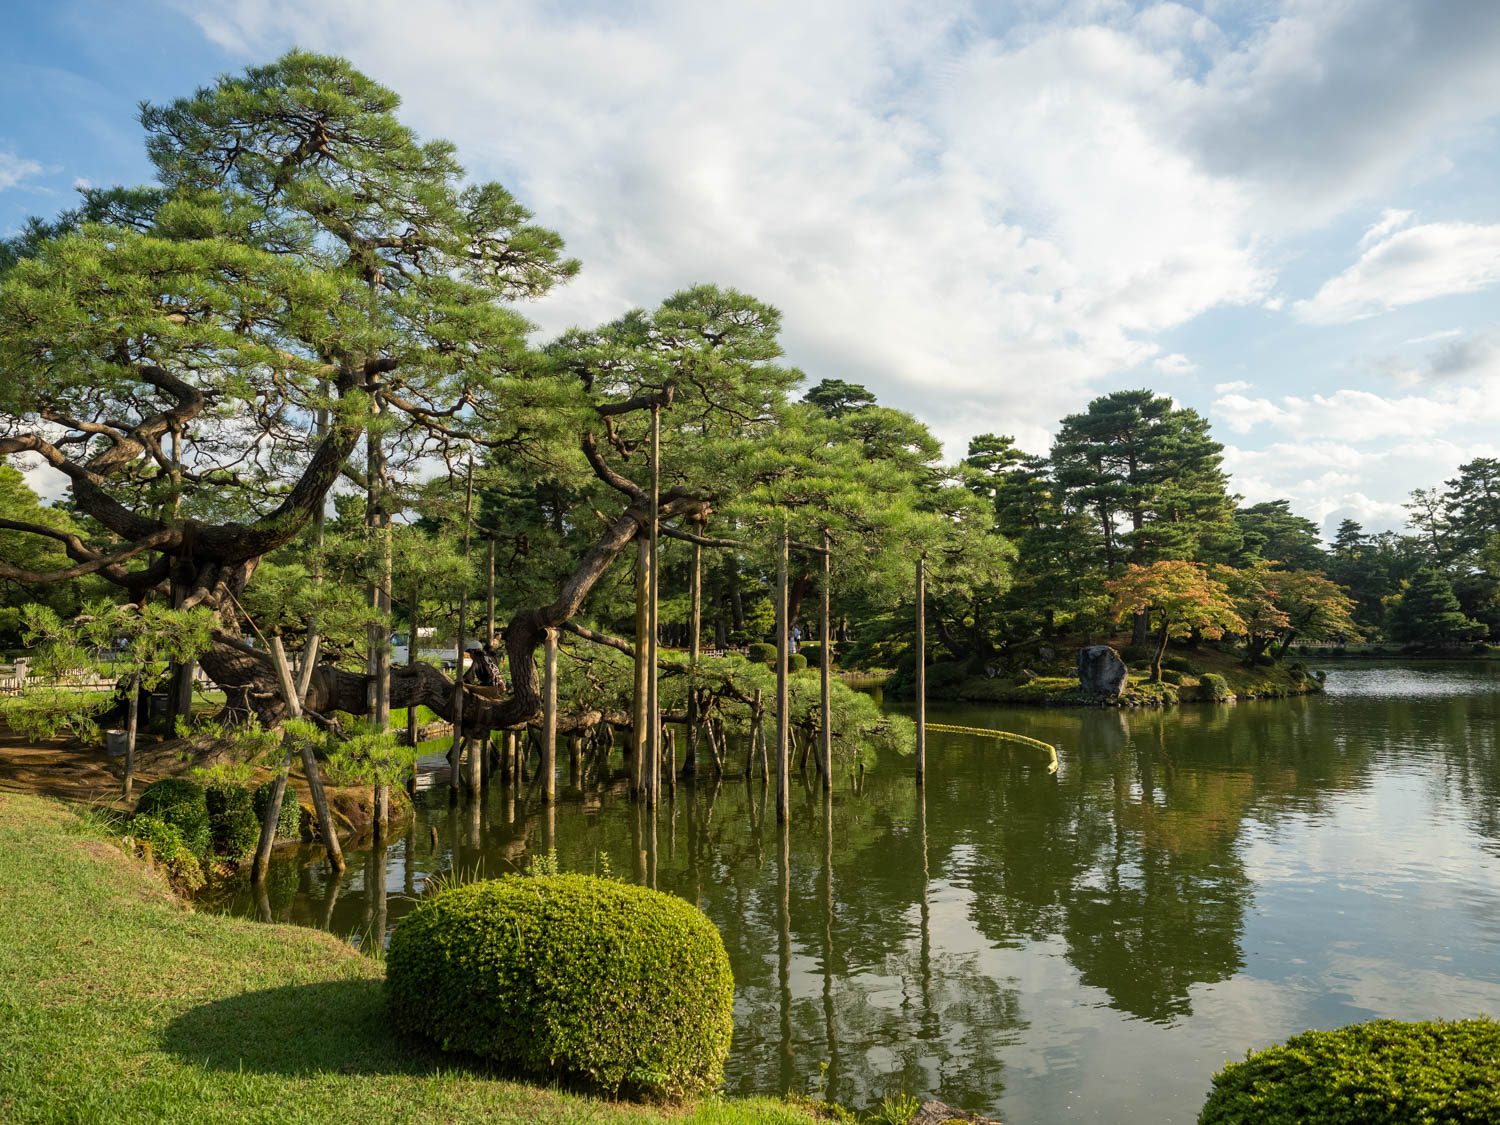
point(1085, 946)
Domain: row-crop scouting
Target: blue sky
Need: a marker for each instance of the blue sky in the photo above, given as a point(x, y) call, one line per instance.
point(1284, 214)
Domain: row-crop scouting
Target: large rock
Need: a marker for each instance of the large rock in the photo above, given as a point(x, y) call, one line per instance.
point(1100, 670)
point(936, 1113)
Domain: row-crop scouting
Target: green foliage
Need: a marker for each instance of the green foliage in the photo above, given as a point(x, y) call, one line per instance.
point(796, 662)
point(183, 804)
point(1385, 1072)
point(896, 1109)
point(812, 651)
point(289, 824)
point(232, 824)
point(1214, 686)
point(569, 977)
point(761, 653)
point(1428, 613)
point(1181, 664)
point(1171, 675)
point(162, 843)
point(1134, 654)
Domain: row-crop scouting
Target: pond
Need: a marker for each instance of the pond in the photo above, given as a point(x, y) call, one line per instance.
point(1086, 946)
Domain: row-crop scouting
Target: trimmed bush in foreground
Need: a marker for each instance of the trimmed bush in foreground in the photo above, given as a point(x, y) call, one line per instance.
point(569, 976)
point(1381, 1073)
point(289, 824)
point(232, 823)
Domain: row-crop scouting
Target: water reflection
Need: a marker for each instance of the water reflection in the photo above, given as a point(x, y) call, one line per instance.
point(1189, 884)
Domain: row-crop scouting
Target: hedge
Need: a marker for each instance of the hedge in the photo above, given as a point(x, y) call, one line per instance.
point(1386, 1072)
point(163, 845)
point(1213, 686)
point(813, 650)
point(232, 823)
point(1171, 676)
point(568, 977)
point(289, 825)
point(180, 802)
point(760, 653)
point(796, 663)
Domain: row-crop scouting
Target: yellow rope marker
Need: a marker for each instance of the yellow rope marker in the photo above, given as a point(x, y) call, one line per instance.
point(1002, 736)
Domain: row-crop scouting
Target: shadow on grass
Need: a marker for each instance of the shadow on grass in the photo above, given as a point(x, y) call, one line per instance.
point(338, 1027)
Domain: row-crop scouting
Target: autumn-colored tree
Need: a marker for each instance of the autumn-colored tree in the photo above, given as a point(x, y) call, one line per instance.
point(1178, 597)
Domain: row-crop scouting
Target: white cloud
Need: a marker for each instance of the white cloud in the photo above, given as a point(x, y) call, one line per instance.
point(14, 169)
point(1415, 264)
point(1390, 222)
point(1230, 388)
point(1175, 364)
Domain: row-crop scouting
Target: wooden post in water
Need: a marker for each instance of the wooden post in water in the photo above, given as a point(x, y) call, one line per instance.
point(921, 670)
point(411, 663)
point(652, 766)
point(549, 717)
point(309, 760)
point(458, 685)
point(783, 709)
point(695, 650)
point(637, 745)
point(825, 761)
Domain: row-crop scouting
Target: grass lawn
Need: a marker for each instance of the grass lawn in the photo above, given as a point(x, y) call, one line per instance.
point(118, 1003)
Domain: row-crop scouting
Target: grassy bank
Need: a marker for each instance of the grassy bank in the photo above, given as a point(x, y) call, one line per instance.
point(1056, 683)
point(118, 1003)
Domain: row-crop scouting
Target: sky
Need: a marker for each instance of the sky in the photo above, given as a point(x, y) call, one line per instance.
point(1285, 215)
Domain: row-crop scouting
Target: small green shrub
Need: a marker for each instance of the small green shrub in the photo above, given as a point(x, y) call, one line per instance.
point(180, 802)
point(162, 844)
point(1296, 673)
point(232, 823)
point(760, 653)
point(568, 977)
point(1134, 653)
point(289, 823)
point(1385, 1072)
point(1181, 664)
point(813, 650)
point(1171, 676)
point(1213, 686)
point(796, 663)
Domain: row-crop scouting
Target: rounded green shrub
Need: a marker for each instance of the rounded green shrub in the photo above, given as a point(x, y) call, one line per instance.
point(813, 651)
point(1171, 676)
point(1132, 654)
point(232, 823)
point(163, 845)
point(289, 823)
point(1386, 1072)
point(180, 802)
point(1213, 686)
point(796, 663)
point(760, 653)
point(1180, 664)
point(570, 977)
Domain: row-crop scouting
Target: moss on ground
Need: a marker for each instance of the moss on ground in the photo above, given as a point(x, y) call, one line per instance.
point(118, 1003)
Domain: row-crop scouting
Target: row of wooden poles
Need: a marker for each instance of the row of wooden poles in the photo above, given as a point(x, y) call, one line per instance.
point(647, 735)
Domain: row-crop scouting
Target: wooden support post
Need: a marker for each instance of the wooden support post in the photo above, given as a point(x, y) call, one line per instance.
point(783, 708)
point(549, 717)
point(463, 613)
point(326, 827)
point(670, 740)
point(413, 710)
point(921, 670)
point(636, 748)
point(695, 651)
point(652, 766)
point(825, 759)
point(489, 604)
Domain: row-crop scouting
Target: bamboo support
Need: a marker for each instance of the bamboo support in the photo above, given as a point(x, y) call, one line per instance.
point(921, 670)
point(549, 717)
point(783, 708)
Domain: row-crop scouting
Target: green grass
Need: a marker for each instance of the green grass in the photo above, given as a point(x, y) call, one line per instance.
point(118, 1003)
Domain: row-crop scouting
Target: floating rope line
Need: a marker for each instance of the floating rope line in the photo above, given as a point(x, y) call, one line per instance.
point(1002, 736)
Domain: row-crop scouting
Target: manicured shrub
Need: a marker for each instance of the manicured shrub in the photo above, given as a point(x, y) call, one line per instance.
point(1171, 676)
point(569, 977)
point(1132, 654)
point(180, 802)
point(813, 650)
point(289, 824)
point(163, 845)
point(1180, 664)
point(796, 663)
point(1381, 1073)
point(232, 823)
point(760, 653)
point(1213, 686)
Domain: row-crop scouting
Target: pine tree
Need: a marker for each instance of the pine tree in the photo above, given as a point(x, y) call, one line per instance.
point(1428, 613)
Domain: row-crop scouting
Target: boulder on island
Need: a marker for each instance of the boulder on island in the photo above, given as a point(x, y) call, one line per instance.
point(1100, 670)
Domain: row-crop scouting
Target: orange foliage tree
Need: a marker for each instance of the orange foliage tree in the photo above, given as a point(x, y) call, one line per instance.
point(1178, 597)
